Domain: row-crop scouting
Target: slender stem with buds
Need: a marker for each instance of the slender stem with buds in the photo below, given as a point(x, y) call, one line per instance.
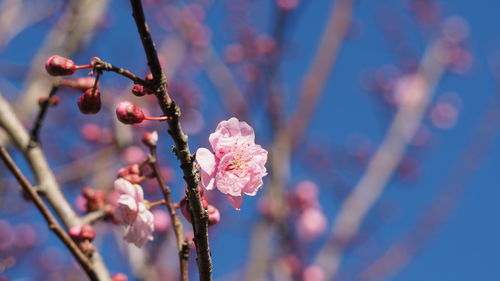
point(182, 244)
point(41, 116)
point(101, 65)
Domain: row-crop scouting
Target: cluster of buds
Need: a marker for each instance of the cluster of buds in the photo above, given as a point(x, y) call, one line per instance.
point(311, 221)
point(94, 199)
point(140, 90)
point(90, 101)
point(83, 236)
point(131, 173)
point(129, 114)
point(213, 212)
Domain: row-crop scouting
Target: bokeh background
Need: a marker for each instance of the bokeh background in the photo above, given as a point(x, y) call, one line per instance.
point(436, 215)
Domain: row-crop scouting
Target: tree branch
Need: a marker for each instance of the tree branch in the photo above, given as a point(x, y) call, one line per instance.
point(51, 221)
point(182, 245)
point(191, 174)
point(45, 178)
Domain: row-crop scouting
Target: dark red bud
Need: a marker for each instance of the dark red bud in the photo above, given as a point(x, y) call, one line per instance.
point(90, 101)
point(140, 90)
point(59, 66)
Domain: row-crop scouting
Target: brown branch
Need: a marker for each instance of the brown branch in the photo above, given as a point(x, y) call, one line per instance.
point(51, 221)
point(182, 245)
point(191, 174)
point(41, 116)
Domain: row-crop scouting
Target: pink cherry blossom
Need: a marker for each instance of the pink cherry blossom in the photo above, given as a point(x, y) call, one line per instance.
point(132, 212)
point(237, 165)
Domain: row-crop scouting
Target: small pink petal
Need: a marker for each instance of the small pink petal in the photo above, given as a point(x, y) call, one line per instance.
point(235, 201)
point(206, 160)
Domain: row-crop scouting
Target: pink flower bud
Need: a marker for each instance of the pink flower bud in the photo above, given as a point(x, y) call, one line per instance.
point(90, 101)
point(311, 224)
point(59, 66)
point(128, 113)
point(87, 232)
point(119, 277)
point(213, 215)
point(74, 231)
point(139, 90)
point(131, 173)
point(185, 207)
point(80, 233)
point(150, 139)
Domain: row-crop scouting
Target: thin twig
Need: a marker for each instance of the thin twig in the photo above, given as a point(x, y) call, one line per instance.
point(191, 174)
point(95, 216)
point(51, 221)
point(41, 116)
point(182, 245)
point(99, 64)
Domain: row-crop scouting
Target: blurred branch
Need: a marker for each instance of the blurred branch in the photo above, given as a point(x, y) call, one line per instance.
point(51, 221)
point(401, 252)
point(191, 174)
point(414, 100)
point(332, 38)
point(323, 63)
point(46, 181)
point(17, 15)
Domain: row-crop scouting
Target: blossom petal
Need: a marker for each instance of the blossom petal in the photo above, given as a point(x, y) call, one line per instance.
point(207, 181)
point(126, 210)
point(141, 231)
point(247, 133)
point(206, 160)
point(235, 201)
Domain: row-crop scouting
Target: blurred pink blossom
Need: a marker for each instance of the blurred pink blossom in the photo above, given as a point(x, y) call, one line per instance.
point(311, 224)
point(313, 273)
point(132, 212)
point(237, 165)
point(161, 220)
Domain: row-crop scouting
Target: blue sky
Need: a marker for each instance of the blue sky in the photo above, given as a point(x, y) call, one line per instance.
point(464, 247)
